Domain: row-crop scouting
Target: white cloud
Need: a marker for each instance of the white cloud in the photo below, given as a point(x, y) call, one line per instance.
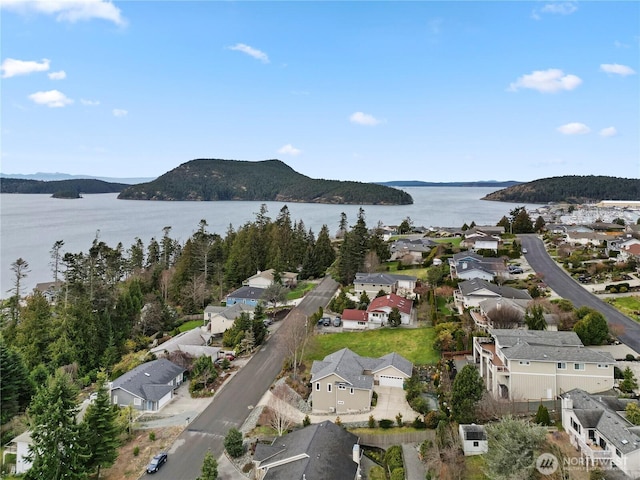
point(574, 128)
point(289, 149)
point(559, 8)
point(119, 112)
point(617, 69)
point(68, 10)
point(89, 103)
point(12, 67)
point(252, 52)
point(608, 132)
point(363, 119)
point(52, 98)
point(61, 75)
point(546, 81)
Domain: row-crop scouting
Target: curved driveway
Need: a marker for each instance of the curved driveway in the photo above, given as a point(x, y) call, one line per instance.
point(568, 288)
point(233, 403)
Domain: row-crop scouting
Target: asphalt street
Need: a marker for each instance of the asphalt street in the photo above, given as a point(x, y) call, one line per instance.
point(565, 286)
point(233, 403)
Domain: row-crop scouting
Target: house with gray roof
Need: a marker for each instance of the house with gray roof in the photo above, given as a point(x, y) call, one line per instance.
point(343, 381)
point(469, 265)
point(471, 293)
point(373, 283)
point(195, 342)
point(598, 429)
point(321, 451)
point(148, 387)
point(412, 249)
point(246, 294)
point(219, 319)
point(539, 364)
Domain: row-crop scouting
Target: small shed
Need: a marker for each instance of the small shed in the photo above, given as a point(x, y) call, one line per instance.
point(474, 439)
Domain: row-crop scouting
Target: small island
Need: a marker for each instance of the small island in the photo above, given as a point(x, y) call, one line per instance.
point(67, 194)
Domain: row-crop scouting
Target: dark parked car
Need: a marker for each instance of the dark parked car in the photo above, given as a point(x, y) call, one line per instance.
point(337, 321)
point(515, 269)
point(326, 321)
point(157, 462)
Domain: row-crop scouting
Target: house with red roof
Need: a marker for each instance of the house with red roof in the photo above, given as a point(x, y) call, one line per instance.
point(377, 314)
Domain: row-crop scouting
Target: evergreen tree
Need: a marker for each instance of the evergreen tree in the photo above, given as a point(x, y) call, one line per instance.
point(16, 388)
point(466, 392)
point(58, 449)
point(209, 468)
point(323, 252)
point(102, 429)
point(394, 317)
point(233, 443)
point(542, 416)
point(534, 318)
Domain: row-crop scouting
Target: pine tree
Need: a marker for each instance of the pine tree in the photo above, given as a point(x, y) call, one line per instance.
point(209, 468)
point(102, 429)
point(58, 450)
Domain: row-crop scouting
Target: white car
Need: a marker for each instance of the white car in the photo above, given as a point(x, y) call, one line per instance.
point(524, 250)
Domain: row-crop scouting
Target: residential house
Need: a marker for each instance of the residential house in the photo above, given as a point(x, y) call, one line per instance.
point(488, 230)
point(373, 283)
point(379, 309)
point(20, 447)
point(481, 241)
point(194, 342)
point(50, 290)
point(598, 429)
point(343, 381)
point(245, 294)
point(219, 319)
point(324, 450)
point(411, 250)
point(148, 387)
point(353, 319)
point(471, 292)
point(485, 316)
point(263, 279)
point(469, 265)
point(588, 238)
point(474, 439)
point(534, 364)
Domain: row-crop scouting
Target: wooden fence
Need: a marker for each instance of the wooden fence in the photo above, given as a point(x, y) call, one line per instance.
point(388, 439)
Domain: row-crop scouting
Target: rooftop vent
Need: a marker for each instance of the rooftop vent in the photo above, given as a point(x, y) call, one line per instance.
point(147, 374)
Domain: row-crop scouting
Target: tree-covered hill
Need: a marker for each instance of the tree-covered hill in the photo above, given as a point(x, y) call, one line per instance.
point(268, 180)
point(84, 185)
point(570, 189)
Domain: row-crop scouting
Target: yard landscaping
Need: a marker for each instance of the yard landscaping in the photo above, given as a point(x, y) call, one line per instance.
point(630, 306)
point(300, 290)
point(415, 344)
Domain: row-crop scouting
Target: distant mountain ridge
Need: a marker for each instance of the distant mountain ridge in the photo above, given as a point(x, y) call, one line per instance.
point(60, 188)
point(50, 177)
point(479, 183)
point(266, 180)
point(574, 189)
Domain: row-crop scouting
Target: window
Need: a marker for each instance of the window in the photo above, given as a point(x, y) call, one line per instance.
point(351, 390)
point(340, 402)
point(524, 362)
point(576, 426)
point(329, 387)
point(603, 365)
point(618, 453)
point(476, 444)
point(137, 401)
point(341, 386)
point(317, 385)
point(562, 366)
point(578, 366)
point(362, 323)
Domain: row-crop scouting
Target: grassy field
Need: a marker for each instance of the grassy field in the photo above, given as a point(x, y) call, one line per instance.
point(190, 325)
point(455, 241)
point(300, 290)
point(627, 305)
point(475, 465)
point(415, 344)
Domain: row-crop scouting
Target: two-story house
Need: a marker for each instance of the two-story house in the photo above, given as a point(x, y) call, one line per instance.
point(598, 429)
point(373, 283)
point(471, 293)
point(343, 381)
point(469, 265)
point(533, 364)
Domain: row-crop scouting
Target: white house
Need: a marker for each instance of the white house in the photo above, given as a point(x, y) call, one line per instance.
point(219, 319)
point(20, 447)
point(263, 279)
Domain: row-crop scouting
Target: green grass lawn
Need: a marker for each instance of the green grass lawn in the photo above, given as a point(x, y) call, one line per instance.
point(627, 305)
point(415, 344)
point(300, 290)
point(475, 465)
point(443, 303)
point(190, 325)
point(455, 241)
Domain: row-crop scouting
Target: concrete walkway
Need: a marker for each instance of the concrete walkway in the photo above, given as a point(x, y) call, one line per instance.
point(413, 466)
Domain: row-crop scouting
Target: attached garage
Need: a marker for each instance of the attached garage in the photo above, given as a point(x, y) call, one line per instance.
point(390, 381)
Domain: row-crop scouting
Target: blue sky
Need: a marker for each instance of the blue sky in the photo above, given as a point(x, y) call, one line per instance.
point(367, 91)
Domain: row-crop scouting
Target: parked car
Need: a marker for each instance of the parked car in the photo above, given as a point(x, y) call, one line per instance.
point(515, 269)
point(326, 321)
point(524, 250)
point(157, 462)
point(337, 321)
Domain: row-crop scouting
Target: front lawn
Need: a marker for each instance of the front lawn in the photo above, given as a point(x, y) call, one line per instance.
point(415, 344)
point(474, 466)
point(190, 325)
point(301, 289)
point(627, 305)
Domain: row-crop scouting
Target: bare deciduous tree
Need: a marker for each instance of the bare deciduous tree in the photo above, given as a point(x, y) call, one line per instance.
point(505, 316)
point(295, 339)
point(282, 399)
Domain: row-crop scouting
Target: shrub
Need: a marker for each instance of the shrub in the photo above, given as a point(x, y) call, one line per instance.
point(393, 458)
point(385, 423)
point(397, 474)
point(419, 424)
point(374, 399)
point(399, 419)
point(432, 418)
point(338, 421)
point(136, 451)
point(306, 421)
point(152, 436)
point(233, 443)
point(372, 422)
point(629, 358)
point(424, 447)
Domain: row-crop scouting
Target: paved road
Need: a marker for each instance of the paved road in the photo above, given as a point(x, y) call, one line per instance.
point(232, 405)
point(568, 288)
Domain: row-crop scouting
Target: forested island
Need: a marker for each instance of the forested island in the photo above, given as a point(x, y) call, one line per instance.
point(59, 188)
point(268, 180)
point(573, 189)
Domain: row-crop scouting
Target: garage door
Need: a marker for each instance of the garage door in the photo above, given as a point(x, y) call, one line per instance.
point(388, 381)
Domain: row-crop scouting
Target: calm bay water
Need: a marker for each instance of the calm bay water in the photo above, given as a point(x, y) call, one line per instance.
point(31, 224)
